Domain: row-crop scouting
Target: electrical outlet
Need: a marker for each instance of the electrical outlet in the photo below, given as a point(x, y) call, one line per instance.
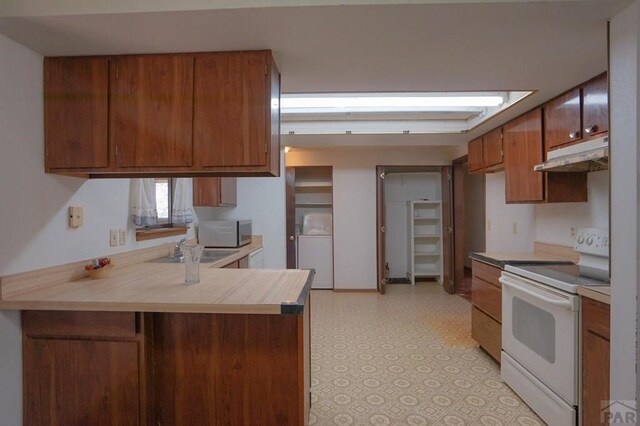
point(573, 232)
point(122, 236)
point(76, 217)
point(113, 237)
point(515, 228)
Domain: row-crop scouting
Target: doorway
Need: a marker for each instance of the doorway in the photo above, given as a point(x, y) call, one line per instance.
point(414, 225)
point(468, 222)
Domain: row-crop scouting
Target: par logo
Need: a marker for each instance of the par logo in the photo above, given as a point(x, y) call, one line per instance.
point(619, 412)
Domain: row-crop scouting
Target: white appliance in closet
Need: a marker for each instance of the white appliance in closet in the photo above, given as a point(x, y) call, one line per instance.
point(424, 219)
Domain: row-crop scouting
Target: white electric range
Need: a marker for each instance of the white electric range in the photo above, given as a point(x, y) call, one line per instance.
point(541, 327)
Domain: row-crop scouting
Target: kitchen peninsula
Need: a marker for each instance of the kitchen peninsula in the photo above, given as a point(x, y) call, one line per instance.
point(142, 347)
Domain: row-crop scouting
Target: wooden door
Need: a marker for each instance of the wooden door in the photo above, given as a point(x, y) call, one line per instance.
point(476, 155)
point(380, 231)
point(447, 231)
point(76, 112)
point(152, 110)
point(458, 225)
point(562, 120)
point(595, 359)
point(290, 182)
point(232, 109)
point(522, 150)
point(492, 148)
point(596, 106)
point(80, 382)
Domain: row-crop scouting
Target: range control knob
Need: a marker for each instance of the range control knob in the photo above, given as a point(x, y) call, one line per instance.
point(589, 240)
point(580, 239)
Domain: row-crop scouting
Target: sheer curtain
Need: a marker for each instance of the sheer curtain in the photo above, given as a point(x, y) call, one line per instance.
point(143, 202)
point(181, 211)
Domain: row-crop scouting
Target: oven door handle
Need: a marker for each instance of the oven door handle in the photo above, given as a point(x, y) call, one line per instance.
point(565, 303)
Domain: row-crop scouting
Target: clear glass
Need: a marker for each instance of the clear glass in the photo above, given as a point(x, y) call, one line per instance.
point(192, 254)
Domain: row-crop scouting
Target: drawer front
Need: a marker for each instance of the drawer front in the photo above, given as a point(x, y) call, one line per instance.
point(486, 272)
point(487, 297)
point(596, 317)
point(78, 324)
point(487, 332)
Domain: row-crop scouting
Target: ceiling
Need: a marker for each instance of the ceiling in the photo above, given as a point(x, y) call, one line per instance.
point(545, 46)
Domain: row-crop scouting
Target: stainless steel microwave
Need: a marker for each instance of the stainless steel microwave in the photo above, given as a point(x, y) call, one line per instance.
point(224, 233)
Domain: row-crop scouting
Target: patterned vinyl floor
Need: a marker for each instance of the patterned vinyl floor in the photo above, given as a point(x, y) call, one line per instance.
point(406, 358)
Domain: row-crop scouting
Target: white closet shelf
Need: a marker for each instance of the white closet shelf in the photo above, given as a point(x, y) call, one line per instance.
point(313, 204)
point(434, 235)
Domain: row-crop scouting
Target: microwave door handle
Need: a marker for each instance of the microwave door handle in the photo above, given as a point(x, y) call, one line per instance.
point(566, 304)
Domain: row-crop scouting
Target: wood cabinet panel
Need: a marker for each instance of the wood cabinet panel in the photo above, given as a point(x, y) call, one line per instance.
point(487, 297)
point(595, 359)
point(492, 148)
point(595, 107)
point(79, 324)
point(76, 112)
point(232, 103)
point(487, 332)
point(522, 150)
point(80, 382)
point(214, 192)
point(230, 369)
point(152, 110)
point(476, 155)
point(563, 119)
point(243, 263)
point(487, 273)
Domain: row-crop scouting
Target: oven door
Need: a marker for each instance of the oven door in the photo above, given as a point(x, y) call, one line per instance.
point(540, 332)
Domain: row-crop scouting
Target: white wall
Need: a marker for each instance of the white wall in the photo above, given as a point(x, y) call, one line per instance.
point(474, 214)
point(263, 201)
point(624, 201)
point(34, 225)
point(398, 189)
point(354, 209)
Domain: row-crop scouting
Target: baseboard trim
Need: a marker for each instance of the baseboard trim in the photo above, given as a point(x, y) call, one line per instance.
point(355, 290)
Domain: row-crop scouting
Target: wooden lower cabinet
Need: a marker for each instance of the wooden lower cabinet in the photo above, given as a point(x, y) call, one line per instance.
point(595, 359)
point(486, 314)
point(173, 369)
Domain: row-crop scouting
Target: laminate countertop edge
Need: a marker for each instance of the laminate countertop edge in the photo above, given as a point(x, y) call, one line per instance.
point(297, 308)
point(500, 260)
point(599, 293)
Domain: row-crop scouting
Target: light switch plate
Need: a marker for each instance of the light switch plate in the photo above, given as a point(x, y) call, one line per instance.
point(76, 217)
point(122, 235)
point(113, 237)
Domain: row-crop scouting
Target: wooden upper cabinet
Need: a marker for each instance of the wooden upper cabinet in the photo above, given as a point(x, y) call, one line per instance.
point(492, 148)
point(152, 110)
point(522, 150)
point(215, 192)
point(562, 118)
point(476, 156)
point(595, 94)
point(232, 109)
point(76, 93)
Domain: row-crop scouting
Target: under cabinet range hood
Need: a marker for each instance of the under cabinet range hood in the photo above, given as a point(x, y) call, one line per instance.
point(589, 156)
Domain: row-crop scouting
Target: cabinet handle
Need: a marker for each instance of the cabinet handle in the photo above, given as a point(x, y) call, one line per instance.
point(590, 129)
point(574, 134)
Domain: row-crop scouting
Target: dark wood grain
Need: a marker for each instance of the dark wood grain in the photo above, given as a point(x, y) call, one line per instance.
point(214, 192)
point(232, 265)
point(458, 225)
point(487, 273)
point(243, 263)
point(80, 382)
point(447, 224)
point(492, 149)
point(79, 324)
point(595, 359)
point(563, 116)
point(380, 235)
point(290, 205)
point(76, 112)
point(595, 107)
point(476, 155)
point(522, 150)
point(566, 187)
point(274, 117)
point(151, 108)
point(232, 111)
point(215, 369)
point(487, 332)
point(487, 297)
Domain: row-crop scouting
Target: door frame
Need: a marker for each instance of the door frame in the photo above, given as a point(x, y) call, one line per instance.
point(446, 180)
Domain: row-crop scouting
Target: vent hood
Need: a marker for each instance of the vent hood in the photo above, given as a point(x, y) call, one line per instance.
point(590, 156)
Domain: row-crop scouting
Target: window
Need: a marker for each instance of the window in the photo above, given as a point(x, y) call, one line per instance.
point(164, 189)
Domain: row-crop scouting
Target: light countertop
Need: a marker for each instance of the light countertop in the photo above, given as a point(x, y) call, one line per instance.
point(502, 259)
point(160, 287)
point(600, 293)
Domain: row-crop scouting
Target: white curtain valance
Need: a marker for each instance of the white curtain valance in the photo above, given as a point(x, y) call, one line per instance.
point(143, 202)
point(181, 211)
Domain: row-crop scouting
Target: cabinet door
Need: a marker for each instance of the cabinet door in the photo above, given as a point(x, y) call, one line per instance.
point(214, 192)
point(476, 156)
point(562, 120)
point(232, 109)
point(522, 150)
point(75, 112)
point(80, 382)
point(596, 106)
point(595, 359)
point(152, 110)
point(492, 148)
